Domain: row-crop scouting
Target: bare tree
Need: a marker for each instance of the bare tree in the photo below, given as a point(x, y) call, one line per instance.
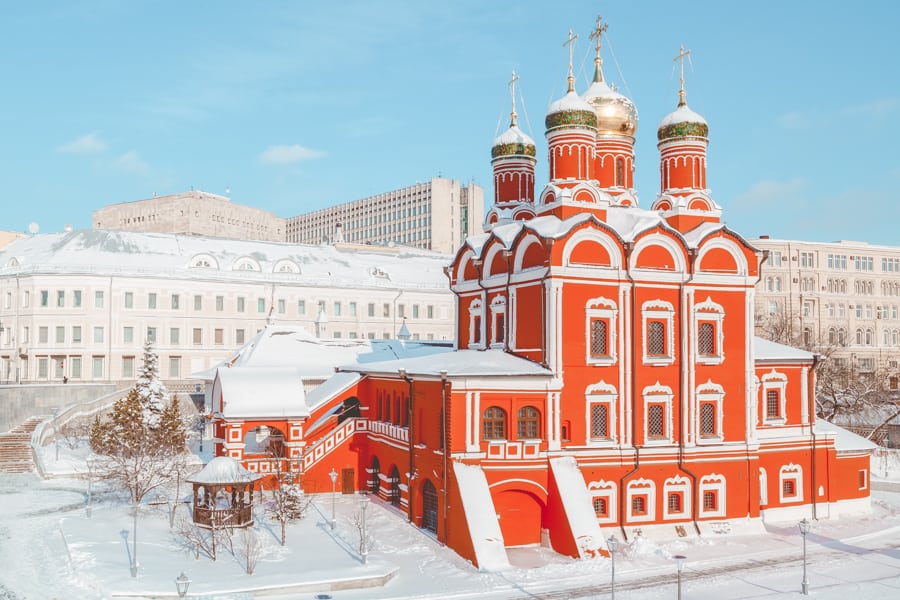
point(289, 502)
point(365, 538)
point(849, 396)
point(249, 549)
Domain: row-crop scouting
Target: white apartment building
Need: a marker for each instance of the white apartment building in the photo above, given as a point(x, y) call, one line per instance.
point(194, 212)
point(435, 215)
point(79, 305)
point(841, 296)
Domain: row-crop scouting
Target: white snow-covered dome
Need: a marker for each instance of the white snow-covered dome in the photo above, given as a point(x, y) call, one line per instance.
point(223, 469)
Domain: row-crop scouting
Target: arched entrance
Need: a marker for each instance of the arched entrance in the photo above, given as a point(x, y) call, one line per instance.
point(521, 517)
point(375, 476)
point(395, 487)
point(264, 440)
point(429, 507)
point(349, 410)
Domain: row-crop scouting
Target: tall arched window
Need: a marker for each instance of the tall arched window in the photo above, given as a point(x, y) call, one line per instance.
point(429, 507)
point(395, 487)
point(528, 423)
point(375, 476)
point(493, 423)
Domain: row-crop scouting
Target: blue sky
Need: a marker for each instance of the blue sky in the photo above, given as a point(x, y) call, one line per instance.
point(299, 105)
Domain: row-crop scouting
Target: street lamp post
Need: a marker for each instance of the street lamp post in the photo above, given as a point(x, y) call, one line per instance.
point(333, 475)
point(90, 498)
point(613, 544)
point(804, 529)
point(182, 583)
point(134, 562)
point(363, 545)
point(56, 432)
point(679, 561)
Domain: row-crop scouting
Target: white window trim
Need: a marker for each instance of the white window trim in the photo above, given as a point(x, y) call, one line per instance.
point(641, 487)
point(658, 394)
point(786, 473)
point(476, 309)
point(659, 310)
point(763, 487)
point(601, 308)
point(714, 393)
point(498, 307)
point(865, 477)
point(774, 381)
point(604, 489)
point(677, 484)
point(713, 482)
point(601, 393)
point(707, 311)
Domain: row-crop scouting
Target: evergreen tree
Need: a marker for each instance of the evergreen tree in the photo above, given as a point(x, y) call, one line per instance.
point(151, 391)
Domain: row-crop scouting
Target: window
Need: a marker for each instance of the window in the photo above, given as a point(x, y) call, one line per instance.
point(791, 477)
point(198, 302)
point(26, 299)
point(709, 501)
point(674, 503)
point(601, 507)
point(658, 318)
point(98, 335)
point(197, 336)
point(600, 421)
point(639, 505)
point(707, 419)
point(493, 423)
point(127, 367)
point(862, 478)
point(371, 309)
point(75, 367)
point(151, 300)
point(218, 337)
point(76, 298)
point(386, 312)
point(241, 304)
point(807, 259)
point(239, 336)
point(98, 299)
point(129, 300)
point(656, 421)
point(353, 309)
point(60, 298)
point(498, 325)
point(337, 309)
point(476, 312)
point(301, 307)
point(43, 334)
point(174, 366)
point(773, 404)
point(60, 334)
point(599, 338)
point(151, 335)
point(43, 368)
point(220, 303)
point(656, 338)
point(706, 341)
point(97, 367)
point(788, 488)
point(76, 334)
point(429, 312)
point(174, 336)
point(45, 298)
point(528, 423)
point(176, 301)
point(260, 305)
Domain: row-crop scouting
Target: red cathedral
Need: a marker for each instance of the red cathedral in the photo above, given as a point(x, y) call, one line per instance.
point(605, 378)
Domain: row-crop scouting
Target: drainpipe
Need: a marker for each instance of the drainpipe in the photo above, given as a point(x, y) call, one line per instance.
point(412, 440)
point(629, 247)
point(506, 318)
point(812, 431)
point(686, 337)
point(544, 358)
point(445, 444)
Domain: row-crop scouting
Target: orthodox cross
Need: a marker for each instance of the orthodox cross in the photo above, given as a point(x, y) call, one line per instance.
point(681, 56)
point(512, 93)
point(598, 61)
point(571, 44)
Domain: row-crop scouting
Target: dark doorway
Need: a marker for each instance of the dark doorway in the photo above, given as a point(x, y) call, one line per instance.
point(348, 481)
point(429, 507)
point(395, 487)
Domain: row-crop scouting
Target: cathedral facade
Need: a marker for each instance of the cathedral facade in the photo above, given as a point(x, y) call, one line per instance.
point(605, 380)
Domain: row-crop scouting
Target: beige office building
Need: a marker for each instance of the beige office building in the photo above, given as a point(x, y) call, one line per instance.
point(840, 297)
point(192, 213)
point(435, 215)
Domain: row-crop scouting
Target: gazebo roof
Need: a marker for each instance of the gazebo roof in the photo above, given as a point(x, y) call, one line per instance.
point(223, 470)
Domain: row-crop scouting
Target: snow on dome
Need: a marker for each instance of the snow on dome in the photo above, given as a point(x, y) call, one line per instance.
point(682, 123)
point(513, 142)
point(616, 114)
point(570, 111)
point(223, 469)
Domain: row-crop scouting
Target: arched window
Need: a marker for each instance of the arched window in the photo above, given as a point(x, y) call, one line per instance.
point(869, 337)
point(375, 476)
point(493, 423)
point(674, 501)
point(620, 172)
point(859, 337)
point(395, 487)
point(528, 423)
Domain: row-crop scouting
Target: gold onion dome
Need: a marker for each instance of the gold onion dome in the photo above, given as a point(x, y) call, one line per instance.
point(616, 114)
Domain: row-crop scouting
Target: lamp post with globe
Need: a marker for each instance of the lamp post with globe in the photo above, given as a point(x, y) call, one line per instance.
point(613, 545)
point(804, 529)
point(333, 476)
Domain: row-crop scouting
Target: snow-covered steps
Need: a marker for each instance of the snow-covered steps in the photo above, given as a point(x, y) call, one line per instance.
point(15, 447)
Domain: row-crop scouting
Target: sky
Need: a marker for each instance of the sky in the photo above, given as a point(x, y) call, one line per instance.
point(294, 106)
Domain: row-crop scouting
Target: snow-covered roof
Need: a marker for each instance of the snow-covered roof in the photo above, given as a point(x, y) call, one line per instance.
point(459, 363)
point(513, 135)
point(106, 252)
point(223, 469)
point(844, 440)
point(766, 350)
point(571, 101)
point(261, 392)
point(337, 384)
point(682, 114)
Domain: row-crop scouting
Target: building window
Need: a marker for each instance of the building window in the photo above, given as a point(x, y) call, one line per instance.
point(76, 298)
point(656, 338)
point(260, 305)
point(639, 505)
point(712, 495)
point(176, 301)
point(498, 315)
point(656, 421)
point(242, 304)
point(791, 477)
point(476, 312)
point(174, 366)
point(862, 478)
point(98, 335)
point(76, 334)
point(707, 419)
point(219, 337)
point(220, 303)
point(127, 335)
point(371, 311)
point(60, 334)
point(386, 310)
point(198, 336)
point(600, 421)
point(43, 334)
point(658, 318)
point(774, 386)
point(98, 299)
point(601, 507)
point(788, 488)
point(151, 335)
point(151, 300)
point(60, 298)
point(337, 308)
point(43, 368)
point(174, 336)
point(127, 367)
point(706, 341)
point(674, 503)
point(239, 337)
point(709, 501)
point(657, 408)
point(528, 423)
point(129, 300)
point(773, 404)
point(198, 302)
point(353, 309)
point(75, 367)
point(97, 367)
point(493, 423)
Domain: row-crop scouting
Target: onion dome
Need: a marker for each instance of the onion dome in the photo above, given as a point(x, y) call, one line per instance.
point(682, 123)
point(513, 142)
point(570, 112)
point(616, 114)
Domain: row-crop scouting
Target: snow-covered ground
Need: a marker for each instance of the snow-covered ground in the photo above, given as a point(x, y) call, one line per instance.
point(49, 548)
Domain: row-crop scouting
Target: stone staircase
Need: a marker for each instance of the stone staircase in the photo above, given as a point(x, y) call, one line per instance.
point(15, 447)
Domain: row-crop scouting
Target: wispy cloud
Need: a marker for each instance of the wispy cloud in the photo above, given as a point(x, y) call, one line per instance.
point(131, 162)
point(868, 112)
point(768, 192)
point(288, 154)
point(86, 144)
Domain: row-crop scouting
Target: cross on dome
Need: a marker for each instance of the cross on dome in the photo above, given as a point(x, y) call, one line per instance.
point(598, 60)
point(570, 42)
point(681, 56)
point(512, 93)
